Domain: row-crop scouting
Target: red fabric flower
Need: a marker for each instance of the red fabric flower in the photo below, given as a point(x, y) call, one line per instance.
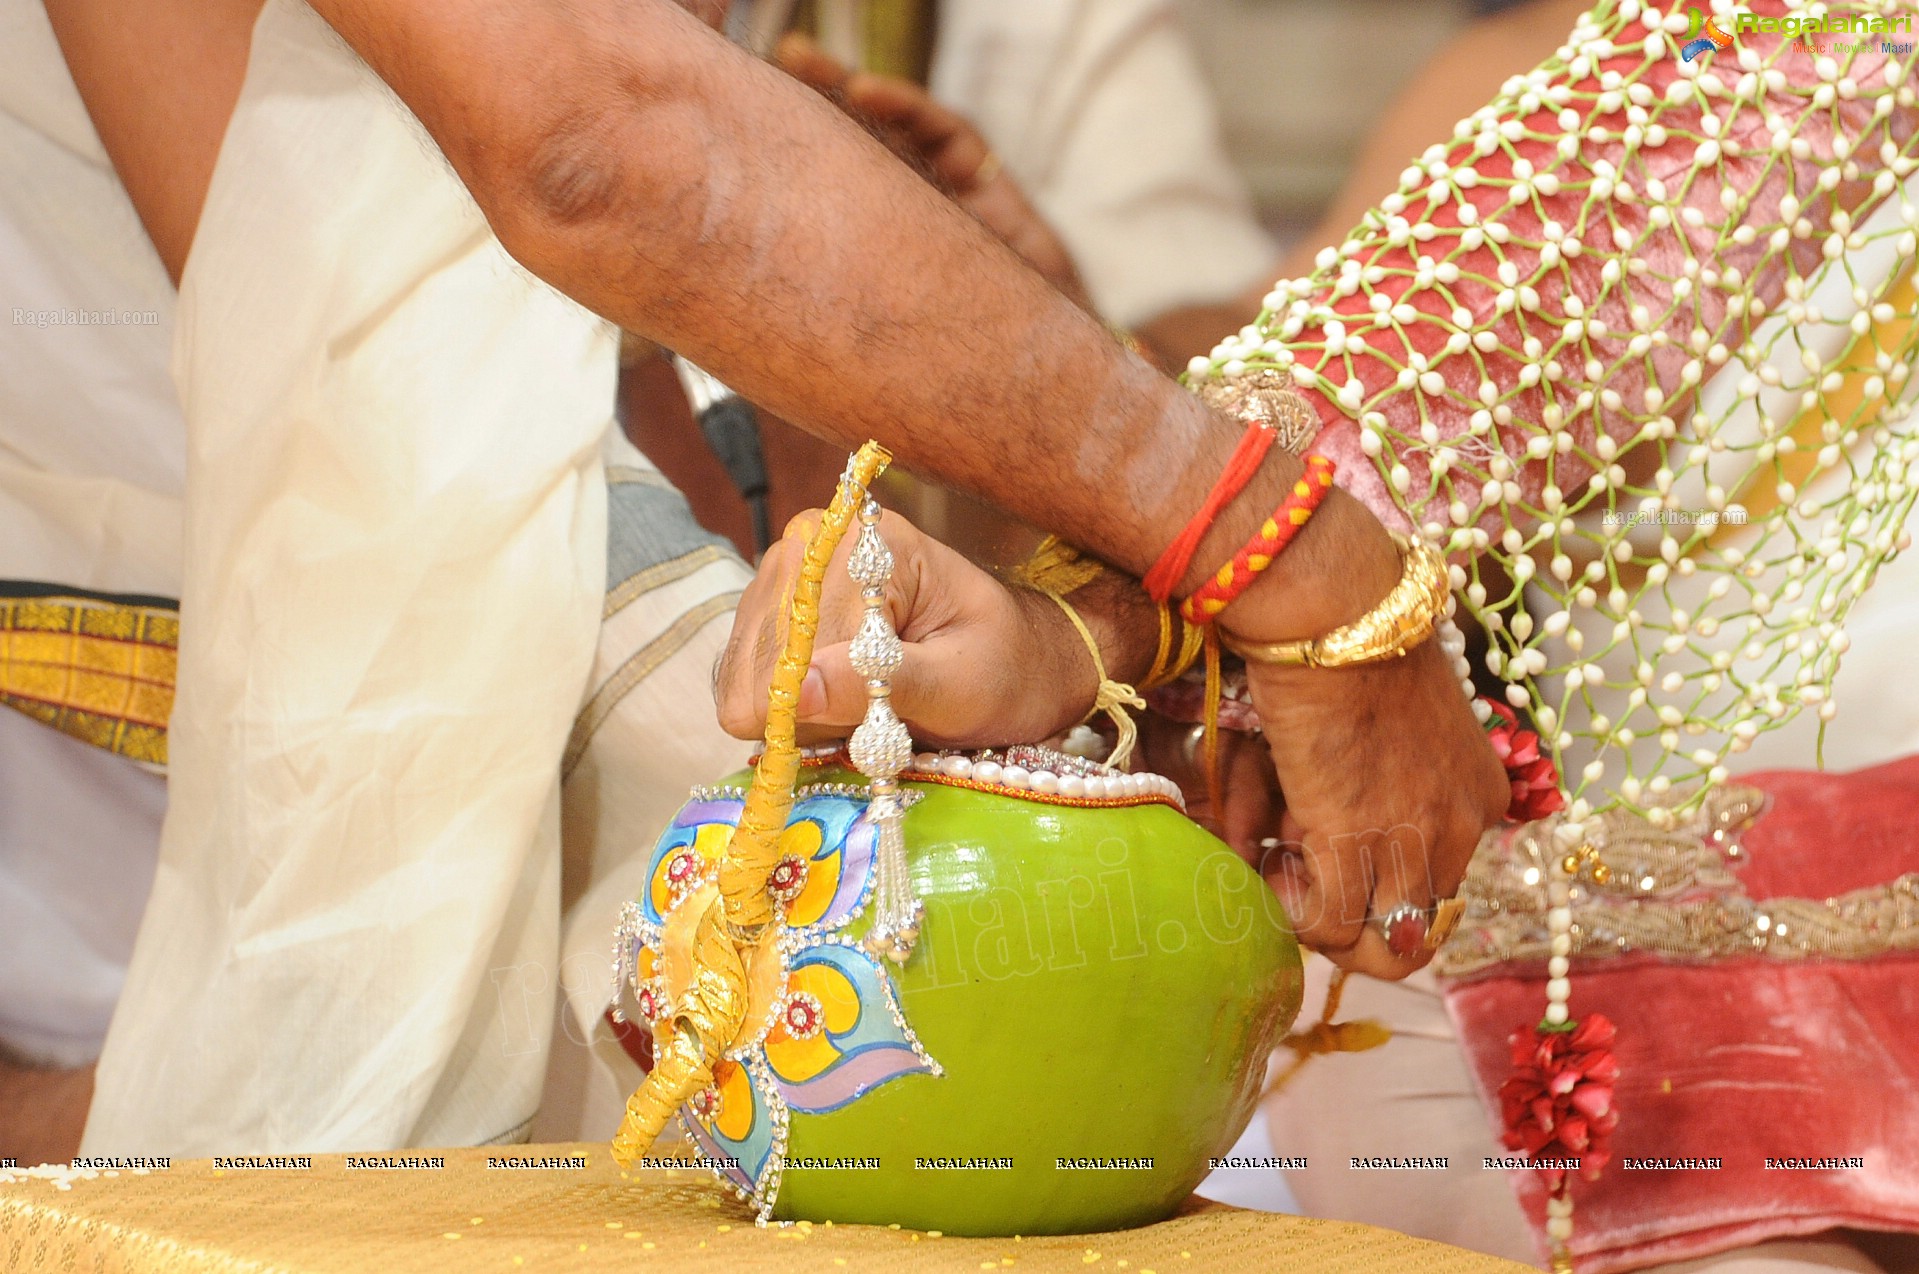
point(1558, 1103)
point(1534, 781)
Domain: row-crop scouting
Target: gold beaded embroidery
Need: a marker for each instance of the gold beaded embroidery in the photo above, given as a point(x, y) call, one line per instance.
point(1671, 893)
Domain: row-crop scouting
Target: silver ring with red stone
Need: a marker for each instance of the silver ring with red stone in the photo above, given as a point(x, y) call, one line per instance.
point(1409, 930)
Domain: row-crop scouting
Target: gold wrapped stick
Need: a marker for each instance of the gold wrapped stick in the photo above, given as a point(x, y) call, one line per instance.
point(711, 1012)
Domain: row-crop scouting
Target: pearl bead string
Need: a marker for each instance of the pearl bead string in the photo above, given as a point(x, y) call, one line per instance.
point(1073, 778)
point(1020, 772)
point(1028, 771)
point(1632, 290)
point(1559, 928)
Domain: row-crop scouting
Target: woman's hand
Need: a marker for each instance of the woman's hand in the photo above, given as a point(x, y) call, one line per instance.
point(1289, 791)
point(1388, 778)
point(946, 146)
point(1250, 807)
point(985, 664)
point(1375, 816)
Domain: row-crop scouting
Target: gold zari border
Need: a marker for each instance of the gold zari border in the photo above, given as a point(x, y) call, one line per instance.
point(99, 671)
point(1670, 893)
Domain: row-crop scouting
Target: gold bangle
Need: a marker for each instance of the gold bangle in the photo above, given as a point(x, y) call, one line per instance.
point(1400, 622)
point(1174, 657)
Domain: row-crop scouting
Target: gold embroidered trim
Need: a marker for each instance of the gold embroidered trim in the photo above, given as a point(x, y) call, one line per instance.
point(1671, 893)
point(99, 671)
point(1264, 394)
point(660, 573)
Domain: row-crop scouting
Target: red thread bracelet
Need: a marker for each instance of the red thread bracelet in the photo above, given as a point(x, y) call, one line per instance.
point(1170, 569)
point(1271, 540)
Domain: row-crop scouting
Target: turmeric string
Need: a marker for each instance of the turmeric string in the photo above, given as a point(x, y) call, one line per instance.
point(710, 1011)
point(1215, 691)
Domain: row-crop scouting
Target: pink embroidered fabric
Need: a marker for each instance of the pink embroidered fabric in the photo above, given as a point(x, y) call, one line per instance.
point(1740, 1076)
point(1582, 243)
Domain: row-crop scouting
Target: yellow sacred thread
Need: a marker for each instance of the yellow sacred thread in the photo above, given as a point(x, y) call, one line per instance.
point(1170, 664)
point(709, 1017)
point(1058, 567)
point(1327, 1036)
point(1055, 567)
point(1112, 697)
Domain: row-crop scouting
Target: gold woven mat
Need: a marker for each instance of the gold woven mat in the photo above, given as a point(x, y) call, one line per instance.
point(469, 1217)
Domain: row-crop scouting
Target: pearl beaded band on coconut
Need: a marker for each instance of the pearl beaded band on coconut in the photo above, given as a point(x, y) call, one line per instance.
point(1027, 771)
point(1032, 772)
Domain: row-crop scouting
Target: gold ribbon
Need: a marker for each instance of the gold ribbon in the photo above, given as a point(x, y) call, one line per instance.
point(709, 1017)
point(98, 669)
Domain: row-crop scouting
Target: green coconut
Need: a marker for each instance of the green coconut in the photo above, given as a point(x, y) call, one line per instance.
point(1102, 988)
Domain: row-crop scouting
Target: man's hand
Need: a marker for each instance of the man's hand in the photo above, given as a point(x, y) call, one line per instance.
point(42, 1112)
point(985, 664)
point(1384, 779)
point(946, 146)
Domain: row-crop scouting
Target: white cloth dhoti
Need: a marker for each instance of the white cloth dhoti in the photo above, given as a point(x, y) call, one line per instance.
point(378, 493)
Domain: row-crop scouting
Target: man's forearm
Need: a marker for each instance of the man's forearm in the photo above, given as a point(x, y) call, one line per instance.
point(694, 195)
point(42, 1112)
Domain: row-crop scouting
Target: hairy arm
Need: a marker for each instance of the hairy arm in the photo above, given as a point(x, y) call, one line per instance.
point(42, 1112)
point(699, 198)
point(672, 183)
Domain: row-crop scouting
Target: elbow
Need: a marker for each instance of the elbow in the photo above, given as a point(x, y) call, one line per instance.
point(604, 206)
point(560, 183)
point(579, 172)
